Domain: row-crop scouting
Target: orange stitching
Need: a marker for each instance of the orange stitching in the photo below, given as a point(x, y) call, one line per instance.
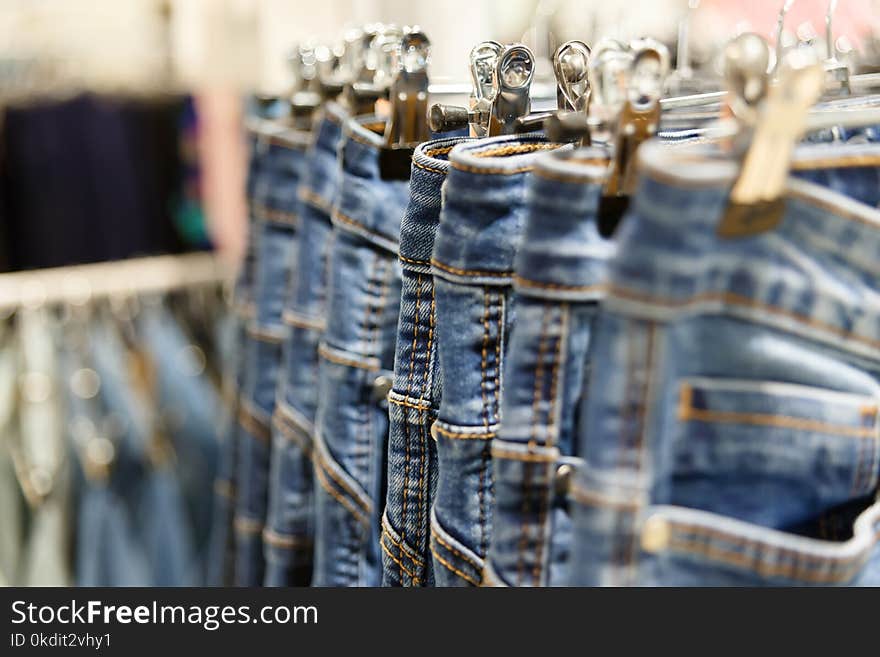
point(289, 431)
point(452, 549)
point(418, 164)
point(264, 336)
point(455, 570)
point(593, 498)
point(326, 465)
point(462, 435)
point(522, 456)
point(297, 322)
point(399, 563)
point(360, 517)
point(516, 149)
point(490, 171)
point(254, 425)
point(468, 272)
point(338, 216)
point(414, 262)
point(439, 151)
point(400, 546)
point(793, 570)
point(533, 441)
point(314, 199)
point(409, 404)
point(423, 439)
point(333, 358)
point(554, 375)
point(784, 421)
point(263, 212)
point(525, 282)
point(406, 433)
point(735, 299)
point(284, 541)
point(244, 525)
point(554, 381)
point(484, 357)
point(224, 489)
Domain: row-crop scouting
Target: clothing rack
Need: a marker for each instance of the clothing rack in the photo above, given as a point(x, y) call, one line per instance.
point(80, 284)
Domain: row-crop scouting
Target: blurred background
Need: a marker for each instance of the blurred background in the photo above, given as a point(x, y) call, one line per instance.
point(122, 118)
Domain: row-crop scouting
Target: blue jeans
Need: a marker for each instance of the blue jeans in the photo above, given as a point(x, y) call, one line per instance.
point(559, 280)
point(275, 214)
point(356, 360)
point(418, 381)
point(133, 529)
point(481, 225)
point(730, 436)
point(289, 536)
point(190, 405)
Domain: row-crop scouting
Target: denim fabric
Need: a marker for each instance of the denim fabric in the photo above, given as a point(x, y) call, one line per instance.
point(560, 272)
point(289, 537)
point(221, 551)
point(481, 224)
point(731, 431)
point(356, 359)
point(418, 381)
point(133, 529)
point(221, 560)
point(189, 406)
point(274, 208)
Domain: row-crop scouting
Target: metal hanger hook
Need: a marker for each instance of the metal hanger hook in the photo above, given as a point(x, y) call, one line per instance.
point(571, 65)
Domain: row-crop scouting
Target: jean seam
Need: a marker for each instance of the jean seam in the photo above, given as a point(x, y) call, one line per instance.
point(423, 439)
point(537, 395)
point(406, 432)
point(737, 300)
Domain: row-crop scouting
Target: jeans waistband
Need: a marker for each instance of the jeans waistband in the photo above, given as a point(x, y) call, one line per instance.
point(430, 164)
point(321, 176)
point(366, 204)
point(562, 254)
point(814, 271)
point(484, 207)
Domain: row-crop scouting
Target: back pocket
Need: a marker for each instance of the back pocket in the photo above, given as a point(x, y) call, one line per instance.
point(775, 454)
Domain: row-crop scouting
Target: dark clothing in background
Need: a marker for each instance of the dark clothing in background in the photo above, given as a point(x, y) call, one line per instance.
point(88, 180)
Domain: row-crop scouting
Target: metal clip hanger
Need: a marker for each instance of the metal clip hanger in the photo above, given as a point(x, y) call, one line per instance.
point(756, 199)
point(512, 79)
point(482, 61)
point(638, 118)
point(306, 96)
point(408, 125)
point(373, 81)
point(571, 65)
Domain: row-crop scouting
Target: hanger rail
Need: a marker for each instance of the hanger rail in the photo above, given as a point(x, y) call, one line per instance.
point(81, 284)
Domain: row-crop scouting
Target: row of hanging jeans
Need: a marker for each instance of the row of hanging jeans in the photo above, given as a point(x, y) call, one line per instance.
point(477, 377)
point(108, 440)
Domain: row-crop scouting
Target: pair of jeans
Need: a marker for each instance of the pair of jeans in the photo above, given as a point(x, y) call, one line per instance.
point(356, 361)
point(290, 534)
point(418, 380)
point(559, 280)
point(221, 560)
point(481, 225)
point(189, 408)
point(133, 528)
point(275, 215)
point(731, 432)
